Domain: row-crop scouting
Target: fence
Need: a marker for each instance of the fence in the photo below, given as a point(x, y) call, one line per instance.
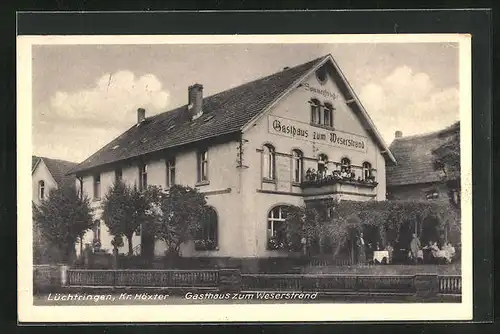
point(46, 277)
point(450, 284)
point(423, 285)
point(329, 283)
point(144, 278)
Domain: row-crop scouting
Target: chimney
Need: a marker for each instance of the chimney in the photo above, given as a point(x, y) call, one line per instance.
point(398, 134)
point(195, 100)
point(141, 115)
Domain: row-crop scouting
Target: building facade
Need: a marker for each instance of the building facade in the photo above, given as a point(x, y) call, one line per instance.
point(252, 150)
point(47, 174)
point(417, 176)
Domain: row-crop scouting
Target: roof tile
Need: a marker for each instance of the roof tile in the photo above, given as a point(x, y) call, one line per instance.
point(228, 111)
point(415, 158)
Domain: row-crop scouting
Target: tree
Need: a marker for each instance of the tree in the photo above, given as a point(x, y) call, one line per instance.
point(124, 210)
point(62, 218)
point(337, 220)
point(447, 160)
point(177, 215)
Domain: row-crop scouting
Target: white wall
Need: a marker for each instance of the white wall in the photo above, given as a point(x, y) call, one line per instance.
point(41, 173)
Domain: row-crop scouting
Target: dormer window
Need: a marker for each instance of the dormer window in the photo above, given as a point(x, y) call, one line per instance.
point(41, 190)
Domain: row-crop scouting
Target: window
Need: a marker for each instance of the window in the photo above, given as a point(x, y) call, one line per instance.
point(297, 165)
point(203, 165)
point(269, 162)
point(276, 232)
point(143, 177)
point(41, 190)
point(315, 111)
point(367, 171)
point(322, 163)
point(328, 115)
point(345, 164)
point(97, 187)
point(321, 75)
point(118, 174)
point(207, 234)
point(170, 172)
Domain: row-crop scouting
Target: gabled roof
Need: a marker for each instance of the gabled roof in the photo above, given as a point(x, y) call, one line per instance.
point(34, 162)
point(59, 169)
point(415, 156)
point(223, 113)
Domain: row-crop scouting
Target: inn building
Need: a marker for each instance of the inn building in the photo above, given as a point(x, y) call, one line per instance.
point(252, 150)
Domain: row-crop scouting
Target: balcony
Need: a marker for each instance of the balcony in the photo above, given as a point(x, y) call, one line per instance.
point(318, 185)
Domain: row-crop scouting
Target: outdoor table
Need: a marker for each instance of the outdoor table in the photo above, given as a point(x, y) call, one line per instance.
point(379, 256)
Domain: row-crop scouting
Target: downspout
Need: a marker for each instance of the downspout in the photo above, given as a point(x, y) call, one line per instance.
point(80, 178)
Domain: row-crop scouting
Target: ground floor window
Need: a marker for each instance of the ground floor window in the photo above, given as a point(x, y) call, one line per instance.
point(276, 229)
point(207, 236)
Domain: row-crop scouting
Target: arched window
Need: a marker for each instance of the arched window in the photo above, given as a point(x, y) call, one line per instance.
point(322, 163)
point(315, 111)
point(328, 115)
point(207, 236)
point(345, 164)
point(297, 165)
point(41, 190)
point(367, 170)
point(269, 162)
point(276, 232)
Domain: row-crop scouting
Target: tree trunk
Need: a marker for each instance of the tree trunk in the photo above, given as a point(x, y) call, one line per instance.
point(130, 247)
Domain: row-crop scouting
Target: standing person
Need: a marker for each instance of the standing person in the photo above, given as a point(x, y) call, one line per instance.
point(415, 247)
point(360, 243)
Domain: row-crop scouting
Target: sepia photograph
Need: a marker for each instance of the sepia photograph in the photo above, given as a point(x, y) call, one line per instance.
point(176, 172)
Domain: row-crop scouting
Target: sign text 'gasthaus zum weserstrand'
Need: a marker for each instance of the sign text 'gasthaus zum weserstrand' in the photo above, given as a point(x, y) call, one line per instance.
point(303, 131)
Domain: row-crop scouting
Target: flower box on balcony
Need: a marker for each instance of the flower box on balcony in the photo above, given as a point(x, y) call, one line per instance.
point(330, 180)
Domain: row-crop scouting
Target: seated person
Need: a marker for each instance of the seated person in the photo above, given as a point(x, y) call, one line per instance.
point(336, 174)
point(352, 175)
point(343, 174)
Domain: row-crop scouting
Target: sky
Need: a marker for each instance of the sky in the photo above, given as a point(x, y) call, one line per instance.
point(86, 95)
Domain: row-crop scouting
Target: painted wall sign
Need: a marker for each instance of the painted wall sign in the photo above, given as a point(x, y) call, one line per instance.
point(303, 131)
point(324, 92)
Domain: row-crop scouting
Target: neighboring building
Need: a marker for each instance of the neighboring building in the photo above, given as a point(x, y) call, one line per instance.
point(415, 177)
point(47, 174)
point(248, 150)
